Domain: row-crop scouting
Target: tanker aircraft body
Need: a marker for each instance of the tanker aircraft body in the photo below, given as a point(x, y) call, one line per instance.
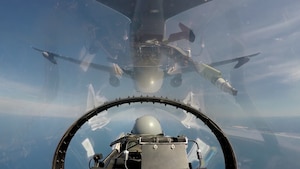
point(153, 57)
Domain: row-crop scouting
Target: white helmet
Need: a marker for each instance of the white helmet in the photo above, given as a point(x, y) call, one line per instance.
point(147, 125)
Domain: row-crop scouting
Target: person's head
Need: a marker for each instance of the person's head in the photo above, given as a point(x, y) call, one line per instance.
point(147, 125)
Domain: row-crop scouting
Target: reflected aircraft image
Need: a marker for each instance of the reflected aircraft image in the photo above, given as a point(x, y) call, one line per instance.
point(153, 57)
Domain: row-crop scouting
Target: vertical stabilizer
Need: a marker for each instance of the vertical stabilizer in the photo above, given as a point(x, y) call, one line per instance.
point(189, 99)
point(94, 100)
point(86, 58)
point(195, 100)
point(90, 103)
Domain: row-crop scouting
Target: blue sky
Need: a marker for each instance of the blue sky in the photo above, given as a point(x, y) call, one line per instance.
point(62, 27)
point(34, 90)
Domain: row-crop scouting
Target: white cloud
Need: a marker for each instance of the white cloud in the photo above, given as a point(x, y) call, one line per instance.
point(274, 23)
point(14, 87)
point(36, 108)
point(23, 99)
point(286, 72)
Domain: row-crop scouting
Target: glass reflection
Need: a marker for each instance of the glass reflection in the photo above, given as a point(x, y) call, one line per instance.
point(96, 135)
point(39, 99)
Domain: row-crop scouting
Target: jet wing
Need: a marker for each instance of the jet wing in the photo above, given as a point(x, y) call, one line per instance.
point(241, 61)
point(54, 55)
point(170, 7)
point(183, 57)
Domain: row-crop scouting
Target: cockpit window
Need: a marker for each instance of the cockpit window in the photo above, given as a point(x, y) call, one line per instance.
point(234, 60)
